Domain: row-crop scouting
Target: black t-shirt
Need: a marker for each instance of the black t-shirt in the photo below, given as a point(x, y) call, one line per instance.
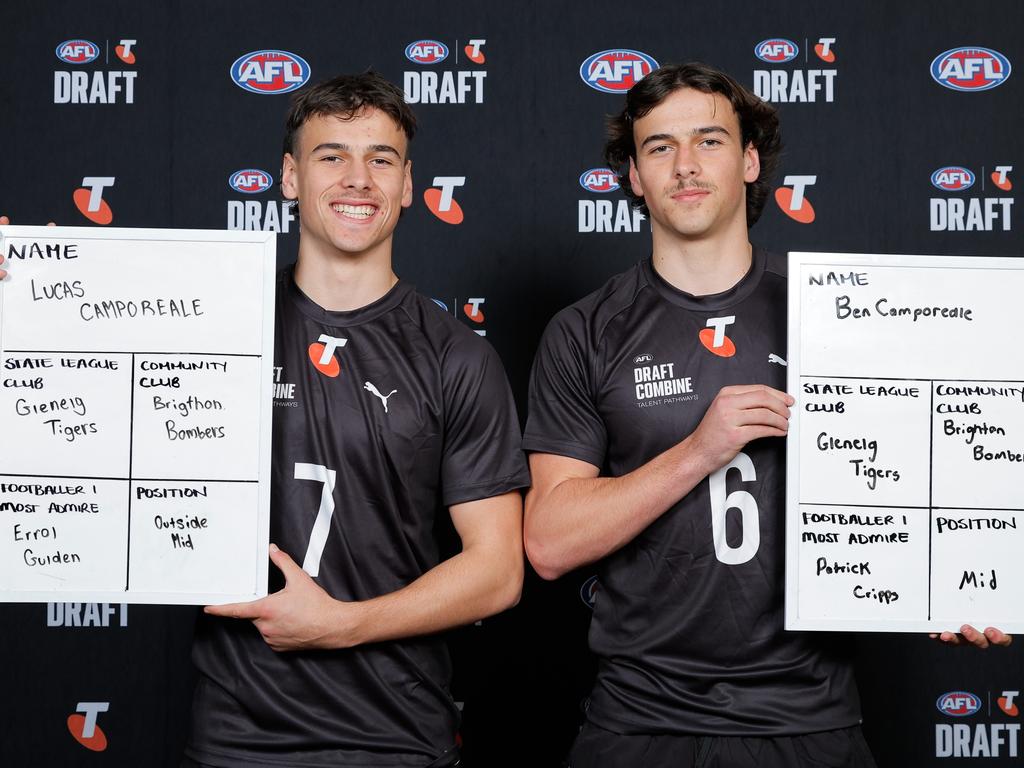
point(688, 623)
point(383, 417)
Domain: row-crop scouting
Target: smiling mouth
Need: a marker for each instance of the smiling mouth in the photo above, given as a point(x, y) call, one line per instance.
point(354, 211)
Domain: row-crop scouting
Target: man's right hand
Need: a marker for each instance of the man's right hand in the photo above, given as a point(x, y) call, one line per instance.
point(3, 272)
point(3, 221)
point(738, 415)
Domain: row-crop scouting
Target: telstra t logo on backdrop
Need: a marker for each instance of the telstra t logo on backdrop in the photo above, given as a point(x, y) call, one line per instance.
point(89, 199)
point(441, 202)
point(472, 309)
point(270, 72)
point(427, 86)
point(616, 70)
point(84, 727)
point(793, 202)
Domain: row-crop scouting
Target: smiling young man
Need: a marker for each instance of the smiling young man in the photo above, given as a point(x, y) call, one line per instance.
point(342, 666)
point(652, 401)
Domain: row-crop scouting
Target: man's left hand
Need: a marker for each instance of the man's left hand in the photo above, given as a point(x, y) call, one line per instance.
point(968, 635)
point(301, 616)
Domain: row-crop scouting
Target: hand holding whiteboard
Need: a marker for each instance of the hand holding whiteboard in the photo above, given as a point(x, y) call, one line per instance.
point(136, 381)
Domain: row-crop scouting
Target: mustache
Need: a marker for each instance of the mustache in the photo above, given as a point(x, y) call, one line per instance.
point(691, 185)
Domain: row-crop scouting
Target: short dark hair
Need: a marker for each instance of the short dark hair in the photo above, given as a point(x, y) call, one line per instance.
point(344, 96)
point(759, 125)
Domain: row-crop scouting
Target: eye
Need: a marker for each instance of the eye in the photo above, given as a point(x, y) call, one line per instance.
point(659, 149)
point(330, 159)
point(381, 162)
point(711, 143)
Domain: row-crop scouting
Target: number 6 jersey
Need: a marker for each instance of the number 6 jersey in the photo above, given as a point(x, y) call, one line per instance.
point(688, 620)
point(383, 417)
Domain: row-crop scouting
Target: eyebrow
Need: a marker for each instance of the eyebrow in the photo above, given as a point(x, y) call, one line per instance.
point(702, 131)
point(333, 146)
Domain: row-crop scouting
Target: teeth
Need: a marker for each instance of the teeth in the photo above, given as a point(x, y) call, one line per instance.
point(360, 211)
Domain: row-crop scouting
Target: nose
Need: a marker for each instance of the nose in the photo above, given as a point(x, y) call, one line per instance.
point(687, 163)
point(356, 176)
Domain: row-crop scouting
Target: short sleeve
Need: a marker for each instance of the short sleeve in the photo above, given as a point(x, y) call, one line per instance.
point(482, 454)
point(563, 417)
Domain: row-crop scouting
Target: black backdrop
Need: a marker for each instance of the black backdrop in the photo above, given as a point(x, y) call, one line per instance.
point(872, 133)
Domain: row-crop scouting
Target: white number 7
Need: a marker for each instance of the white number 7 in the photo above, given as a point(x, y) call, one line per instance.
point(322, 524)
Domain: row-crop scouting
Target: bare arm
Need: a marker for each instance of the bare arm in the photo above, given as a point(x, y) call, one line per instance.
point(574, 517)
point(485, 578)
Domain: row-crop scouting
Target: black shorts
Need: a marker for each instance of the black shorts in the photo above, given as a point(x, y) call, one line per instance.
point(598, 748)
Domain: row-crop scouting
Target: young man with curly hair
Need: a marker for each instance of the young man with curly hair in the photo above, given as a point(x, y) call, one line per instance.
point(652, 402)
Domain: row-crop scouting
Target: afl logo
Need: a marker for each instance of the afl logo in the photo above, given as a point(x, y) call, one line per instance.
point(958, 704)
point(426, 52)
point(270, 72)
point(599, 180)
point(776, 50)
point(643, 359)
point(588, 592)
point(970, 69)
point(250, 181)
point(77, 52)
point(616, 71)
point(953, 178)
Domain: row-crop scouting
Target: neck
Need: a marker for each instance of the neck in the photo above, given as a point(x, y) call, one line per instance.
point(702, 266)
point(343, 282)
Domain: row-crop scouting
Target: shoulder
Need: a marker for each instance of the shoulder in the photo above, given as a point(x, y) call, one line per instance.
point(587, 320)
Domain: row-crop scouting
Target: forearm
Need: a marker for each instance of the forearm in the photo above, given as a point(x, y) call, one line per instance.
point(580, 520)
point(463, 589)
point(486, 577)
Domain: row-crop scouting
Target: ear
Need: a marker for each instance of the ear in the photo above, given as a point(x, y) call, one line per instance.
point(634, 179)
point(407, 185)
point(751, 164)
point(289, 182)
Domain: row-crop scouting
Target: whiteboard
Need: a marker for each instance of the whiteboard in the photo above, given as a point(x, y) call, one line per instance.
point(905, 468)
point(136, 374)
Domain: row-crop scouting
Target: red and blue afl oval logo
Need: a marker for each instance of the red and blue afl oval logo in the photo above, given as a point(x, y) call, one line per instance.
point(250, 181)
point(270, 72)
point(77, 51)
point(970, 69)
point(953, 178)
point(958, 704)
point(616, 71)
point(426, 52)
point(599, 180)
point(776, 50)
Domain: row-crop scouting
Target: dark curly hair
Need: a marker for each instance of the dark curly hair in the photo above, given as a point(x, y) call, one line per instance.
point(344, 96)
point(759, 125)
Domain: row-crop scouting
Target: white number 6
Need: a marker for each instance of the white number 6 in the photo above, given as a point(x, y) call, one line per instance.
point(741, 500)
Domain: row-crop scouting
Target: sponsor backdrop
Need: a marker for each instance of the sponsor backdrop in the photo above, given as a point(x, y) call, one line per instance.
point(899, 138)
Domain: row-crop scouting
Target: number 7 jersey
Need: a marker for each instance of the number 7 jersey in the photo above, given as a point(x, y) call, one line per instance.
point(688, 619)
point(383, 418)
